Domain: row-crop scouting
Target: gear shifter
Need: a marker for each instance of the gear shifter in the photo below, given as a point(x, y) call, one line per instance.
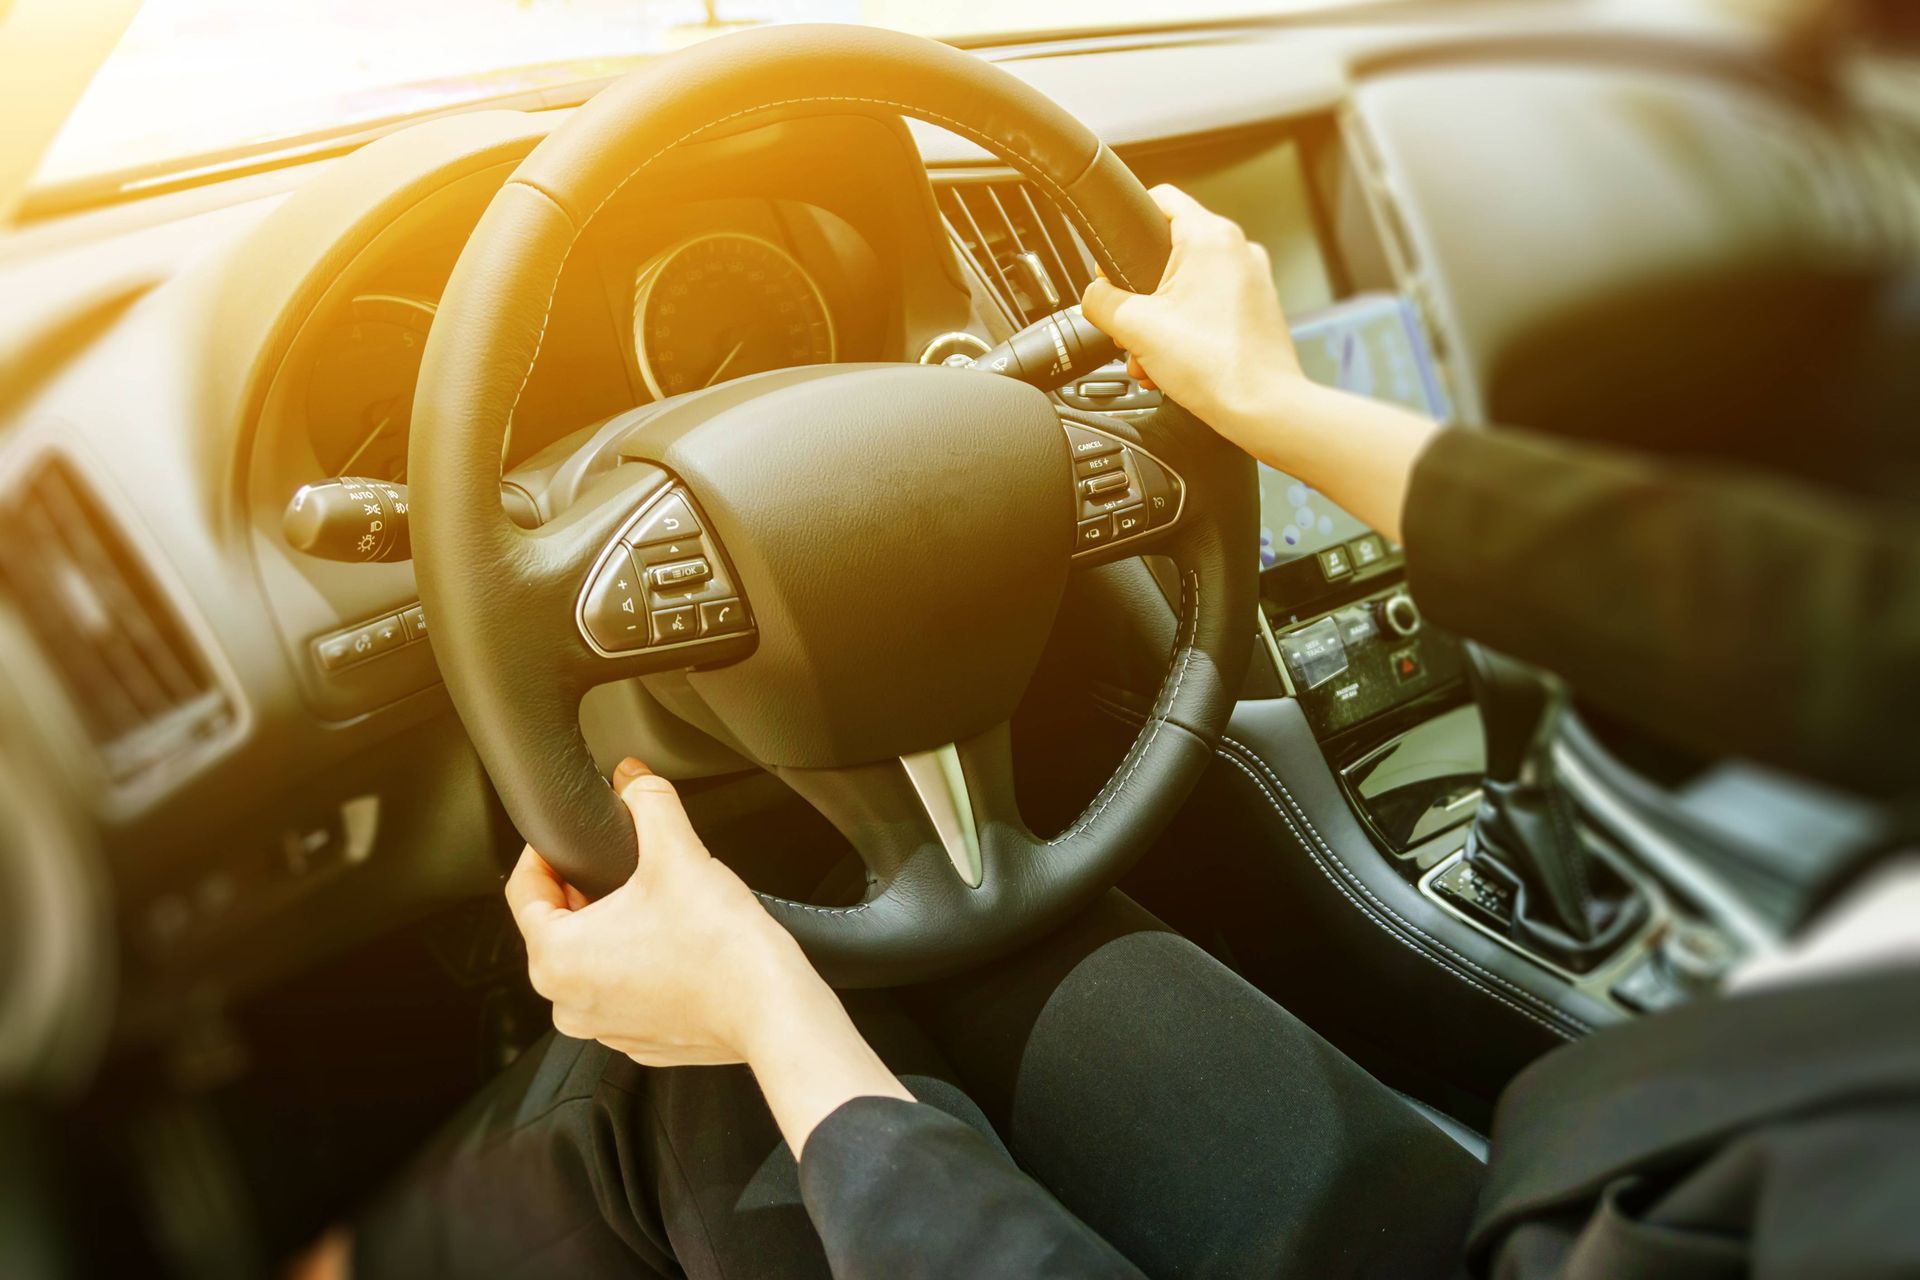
point(1562, 899)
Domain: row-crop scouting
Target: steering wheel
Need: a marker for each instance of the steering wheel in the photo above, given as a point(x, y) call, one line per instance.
point(860, 565)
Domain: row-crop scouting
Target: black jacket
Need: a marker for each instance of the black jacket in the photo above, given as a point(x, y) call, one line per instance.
point(1775, 1134)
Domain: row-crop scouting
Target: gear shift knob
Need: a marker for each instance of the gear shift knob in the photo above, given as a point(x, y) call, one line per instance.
point(1518, 709)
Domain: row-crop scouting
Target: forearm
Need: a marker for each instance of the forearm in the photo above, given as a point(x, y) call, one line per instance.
point(1358, 451)
point(810, 1059)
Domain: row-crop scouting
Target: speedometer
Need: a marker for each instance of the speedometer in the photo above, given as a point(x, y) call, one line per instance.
point(723, 305)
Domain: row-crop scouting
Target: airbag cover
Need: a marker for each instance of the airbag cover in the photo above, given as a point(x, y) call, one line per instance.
point(902, 534)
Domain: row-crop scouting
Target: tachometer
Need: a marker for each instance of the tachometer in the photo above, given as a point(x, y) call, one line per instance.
point(360, 385)
point(723, 305)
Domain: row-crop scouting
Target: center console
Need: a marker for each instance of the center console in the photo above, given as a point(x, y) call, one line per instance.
point(1446, 770)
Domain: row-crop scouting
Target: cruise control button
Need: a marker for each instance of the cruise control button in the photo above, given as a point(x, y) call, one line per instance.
point(681, 573)
point(1110, 484)
point(1096, 532)
point(415, 621)
point(337, 652)
point(385, 634)
point(1089, 444)
point(1129, 522)
point(616, 611)
point(722, 617)
point(1094, 466)
point(670, 518)
point(671, 625)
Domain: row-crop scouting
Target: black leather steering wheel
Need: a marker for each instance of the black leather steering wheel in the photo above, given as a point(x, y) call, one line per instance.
point(896, 538)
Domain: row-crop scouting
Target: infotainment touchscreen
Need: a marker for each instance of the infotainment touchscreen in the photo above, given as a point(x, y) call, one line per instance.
point(1372, 345)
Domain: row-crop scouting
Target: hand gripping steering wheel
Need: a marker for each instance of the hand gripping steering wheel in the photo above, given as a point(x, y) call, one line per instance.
point(878, 551)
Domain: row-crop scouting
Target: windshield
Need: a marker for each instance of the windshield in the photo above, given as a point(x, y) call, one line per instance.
point(190, 77)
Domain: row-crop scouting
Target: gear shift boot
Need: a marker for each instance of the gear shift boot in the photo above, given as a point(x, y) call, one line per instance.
point(1570, 904)
point(1561, 896)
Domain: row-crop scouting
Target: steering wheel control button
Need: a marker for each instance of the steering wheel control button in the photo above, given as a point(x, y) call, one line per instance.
point(1122, 493)
point(1314, 654)
point(667, 520)
point(679, 573)
point(670, 626)
point(1089, 444)
point(1161, 490)
point(722, 617)
point(615, 611)
point(415, 621)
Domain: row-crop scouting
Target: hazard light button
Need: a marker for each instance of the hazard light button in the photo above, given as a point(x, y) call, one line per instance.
point(615, 610)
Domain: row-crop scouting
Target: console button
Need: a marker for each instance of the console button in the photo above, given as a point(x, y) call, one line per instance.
point(1096, 532)
point(1356, 625)
point(679, 573)
point(337, 652)
point(1334, 562)
point(1088, 444)
point(616, 610)
point(669, 518)
point(722, 617)
point(1406, 664)
point(1314, 654)
point(673, 625)
point(1367, 551)
point(1129, 522)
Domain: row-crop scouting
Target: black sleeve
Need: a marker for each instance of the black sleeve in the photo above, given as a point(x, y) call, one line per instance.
point(1730, 612)
point(901, 1189)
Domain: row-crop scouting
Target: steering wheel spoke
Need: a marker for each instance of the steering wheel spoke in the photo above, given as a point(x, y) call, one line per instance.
point(933, 820)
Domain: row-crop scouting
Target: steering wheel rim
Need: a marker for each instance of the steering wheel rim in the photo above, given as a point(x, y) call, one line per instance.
point(492, 588)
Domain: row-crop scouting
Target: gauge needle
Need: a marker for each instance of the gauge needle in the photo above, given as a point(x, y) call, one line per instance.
point(346, 468)
point(722, 366)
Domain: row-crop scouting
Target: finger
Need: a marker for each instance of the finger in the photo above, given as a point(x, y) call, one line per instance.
point(1172, 200)
point(659, 819)
point(1138, 373)
point(1102, 303)
point(627, 770)
point(535, 894)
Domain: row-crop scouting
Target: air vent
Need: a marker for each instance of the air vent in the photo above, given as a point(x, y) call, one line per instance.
point(138, 680)
point(1022, 248)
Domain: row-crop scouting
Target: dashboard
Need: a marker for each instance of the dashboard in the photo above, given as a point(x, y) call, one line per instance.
point(224, 345)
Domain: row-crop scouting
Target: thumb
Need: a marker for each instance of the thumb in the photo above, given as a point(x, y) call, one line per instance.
point(1106, 304)
point(659, 819)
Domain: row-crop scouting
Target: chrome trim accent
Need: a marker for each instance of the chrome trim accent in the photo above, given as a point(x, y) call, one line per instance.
point(957, 337)
point(1665, 856)
point(941, 784)
point(1597, 984)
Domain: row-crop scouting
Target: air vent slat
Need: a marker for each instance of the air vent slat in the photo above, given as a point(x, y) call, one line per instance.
point(981, 251)
point(1020, 246)
point(140, 683)
point(126, 625)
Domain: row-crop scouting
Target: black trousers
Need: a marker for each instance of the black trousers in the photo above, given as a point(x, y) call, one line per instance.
point(1184, 1116)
